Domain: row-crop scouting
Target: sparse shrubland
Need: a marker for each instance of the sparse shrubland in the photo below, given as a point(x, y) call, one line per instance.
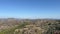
point(37, 26)
point(11, 30)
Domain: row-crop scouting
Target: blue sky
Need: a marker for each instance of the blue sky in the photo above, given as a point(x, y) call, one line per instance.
point(30, 9)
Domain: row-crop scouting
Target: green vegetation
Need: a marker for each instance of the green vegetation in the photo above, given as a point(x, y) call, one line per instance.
point(11, 31)
point(32, 26)
point(52, 27)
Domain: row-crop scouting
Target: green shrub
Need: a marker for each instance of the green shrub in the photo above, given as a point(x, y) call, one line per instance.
point(11, 31)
